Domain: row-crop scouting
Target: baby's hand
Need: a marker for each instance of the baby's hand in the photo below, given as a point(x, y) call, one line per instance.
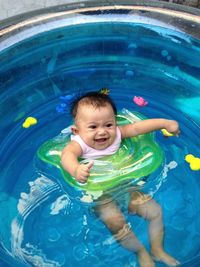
point(83, 172)
point(172, 127)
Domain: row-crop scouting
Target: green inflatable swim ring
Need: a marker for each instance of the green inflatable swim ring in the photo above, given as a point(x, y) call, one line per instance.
point(136, 158)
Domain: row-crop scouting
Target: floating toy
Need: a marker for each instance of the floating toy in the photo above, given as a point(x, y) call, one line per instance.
point(193, 161)
point(29, 122)
point(136, 158)
point(68, 98)
point(140, 101)
point(61, 108)
point(166, 133)
point(66, 102)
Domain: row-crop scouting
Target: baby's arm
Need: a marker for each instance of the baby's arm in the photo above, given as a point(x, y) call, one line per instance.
point(69, 160)
point(146, 126)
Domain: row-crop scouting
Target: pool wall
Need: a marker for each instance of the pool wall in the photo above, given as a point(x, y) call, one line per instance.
point(7, 9)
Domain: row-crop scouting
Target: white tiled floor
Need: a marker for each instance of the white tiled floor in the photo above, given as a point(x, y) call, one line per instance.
point(10, 8)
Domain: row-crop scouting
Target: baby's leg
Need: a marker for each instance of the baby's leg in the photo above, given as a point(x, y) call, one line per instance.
point(113, 218)
point(147, 208)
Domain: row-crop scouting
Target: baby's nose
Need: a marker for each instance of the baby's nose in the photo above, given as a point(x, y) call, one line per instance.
point(101, 131)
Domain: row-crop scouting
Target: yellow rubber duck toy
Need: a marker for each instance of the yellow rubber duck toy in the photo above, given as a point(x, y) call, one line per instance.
point(29, 122)
point(193, 161)
point(166, 133)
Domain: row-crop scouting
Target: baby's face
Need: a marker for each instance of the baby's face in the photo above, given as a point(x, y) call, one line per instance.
point(96, 126)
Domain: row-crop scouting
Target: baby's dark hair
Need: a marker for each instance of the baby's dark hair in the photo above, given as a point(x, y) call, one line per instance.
point(96, 99)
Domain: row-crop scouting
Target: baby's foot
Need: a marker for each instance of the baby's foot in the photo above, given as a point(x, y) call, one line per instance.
point(161, 255)
point(145, 259)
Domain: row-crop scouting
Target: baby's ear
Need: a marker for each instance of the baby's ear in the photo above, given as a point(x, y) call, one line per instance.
point(74, 129)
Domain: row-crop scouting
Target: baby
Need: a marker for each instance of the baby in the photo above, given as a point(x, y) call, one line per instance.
point(96, 134)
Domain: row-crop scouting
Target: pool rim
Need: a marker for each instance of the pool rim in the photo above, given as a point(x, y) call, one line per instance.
point(184, 18)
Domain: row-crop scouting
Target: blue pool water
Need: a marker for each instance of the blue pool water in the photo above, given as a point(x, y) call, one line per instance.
point(43, 222)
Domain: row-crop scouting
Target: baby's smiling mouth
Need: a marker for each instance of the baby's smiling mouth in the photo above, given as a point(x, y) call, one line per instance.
point(101, 140)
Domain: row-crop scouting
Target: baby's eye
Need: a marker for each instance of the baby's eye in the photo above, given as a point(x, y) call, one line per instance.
point(92, 127)
point(109, 125)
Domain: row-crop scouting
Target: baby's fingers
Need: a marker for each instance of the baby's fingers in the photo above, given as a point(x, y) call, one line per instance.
point(89, 165)
point(83, 178)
